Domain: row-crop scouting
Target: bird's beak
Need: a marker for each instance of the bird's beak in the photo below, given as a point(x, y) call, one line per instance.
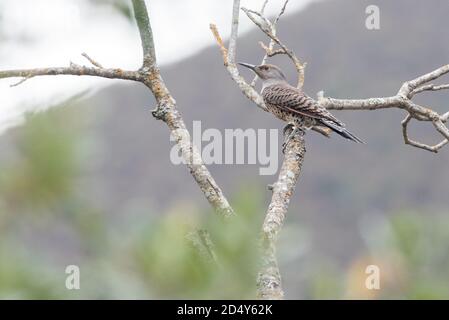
point(249, 66)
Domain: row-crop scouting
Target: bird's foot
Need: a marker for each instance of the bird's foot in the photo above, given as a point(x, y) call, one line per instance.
point(284, 145)
point(288, 127)
point(293, 132)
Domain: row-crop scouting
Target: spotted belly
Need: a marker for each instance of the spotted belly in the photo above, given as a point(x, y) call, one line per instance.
point(299, 121)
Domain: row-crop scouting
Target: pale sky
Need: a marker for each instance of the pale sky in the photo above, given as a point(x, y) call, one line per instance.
point(44, 33)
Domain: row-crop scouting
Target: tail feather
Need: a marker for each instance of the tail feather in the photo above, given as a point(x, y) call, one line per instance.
point(342, 131)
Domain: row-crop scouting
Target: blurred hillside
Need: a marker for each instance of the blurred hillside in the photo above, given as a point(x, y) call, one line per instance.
point(125, 169)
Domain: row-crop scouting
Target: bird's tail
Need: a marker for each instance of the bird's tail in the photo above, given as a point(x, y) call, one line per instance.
point(342, 131)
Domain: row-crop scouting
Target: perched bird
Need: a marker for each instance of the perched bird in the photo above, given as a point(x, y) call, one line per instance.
point(291, 105)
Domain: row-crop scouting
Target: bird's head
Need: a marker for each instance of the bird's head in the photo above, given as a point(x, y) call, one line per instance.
point(266, 71)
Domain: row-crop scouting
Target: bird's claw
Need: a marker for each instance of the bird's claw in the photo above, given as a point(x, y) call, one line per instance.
point(288, 127)
point(290, 135)
point(284, 145)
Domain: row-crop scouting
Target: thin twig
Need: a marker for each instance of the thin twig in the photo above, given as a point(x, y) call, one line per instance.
point(430, 87)
point(74, 70)
point(234, 31)
point(18, 83)
point(219, 40)
point(92, 61)
point(269, 51)
point(201, 241)
point(246, 88)
point(402, 100)
point(264, 5)
point(280, 13)
point(432, 148)
point(267, 27)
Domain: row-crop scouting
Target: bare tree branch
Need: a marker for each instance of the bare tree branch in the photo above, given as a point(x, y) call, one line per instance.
point(234, 31)
point(229, 53)
point(246, 88)
point(264, 5)
point(269, 51)
point(411, 85)
point(416, 144)
point(402, 100)
point(430, 87)
point(92, 61)
point(269, 279)
point(270, 30)
point(146, 33)
point(166, 109)
point(201, 241)
point(74, 70)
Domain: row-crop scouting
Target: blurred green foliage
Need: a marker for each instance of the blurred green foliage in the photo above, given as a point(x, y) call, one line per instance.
point(165, 256)
point(20, 280)
point(47, 223)
point(422, 241)
point(411, 250)
point(176, 262)
point(45, 170)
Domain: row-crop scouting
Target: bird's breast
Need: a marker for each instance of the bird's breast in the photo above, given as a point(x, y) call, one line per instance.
point(280, 113)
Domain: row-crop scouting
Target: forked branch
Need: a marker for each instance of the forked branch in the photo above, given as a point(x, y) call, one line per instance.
point(166, 110)
point(269, 280)
point(403, 100)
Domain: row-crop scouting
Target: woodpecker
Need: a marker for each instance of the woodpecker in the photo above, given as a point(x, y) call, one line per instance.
point(291, 105)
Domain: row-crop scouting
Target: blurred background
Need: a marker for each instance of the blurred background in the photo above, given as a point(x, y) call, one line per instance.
point(89, 181)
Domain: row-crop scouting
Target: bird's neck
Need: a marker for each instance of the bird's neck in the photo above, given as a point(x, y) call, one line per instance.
point(272, 82)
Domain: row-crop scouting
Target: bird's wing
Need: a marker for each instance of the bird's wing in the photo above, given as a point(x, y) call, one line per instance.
point(294, 100)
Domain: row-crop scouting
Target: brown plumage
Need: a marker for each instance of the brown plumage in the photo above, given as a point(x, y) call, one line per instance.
point(292, 105)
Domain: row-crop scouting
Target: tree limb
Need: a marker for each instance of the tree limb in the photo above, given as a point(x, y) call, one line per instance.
point(269, 51)
point(146, 33)
point(234, 31)
point(92, 61)
point(269, 29)
point(269, 279)
point(403, 100)
point(246, 88)
point(417, 144)
point(166, 110)
point(74, 70)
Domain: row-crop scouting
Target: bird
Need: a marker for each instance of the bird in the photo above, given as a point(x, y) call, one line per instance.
point(293, 106)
